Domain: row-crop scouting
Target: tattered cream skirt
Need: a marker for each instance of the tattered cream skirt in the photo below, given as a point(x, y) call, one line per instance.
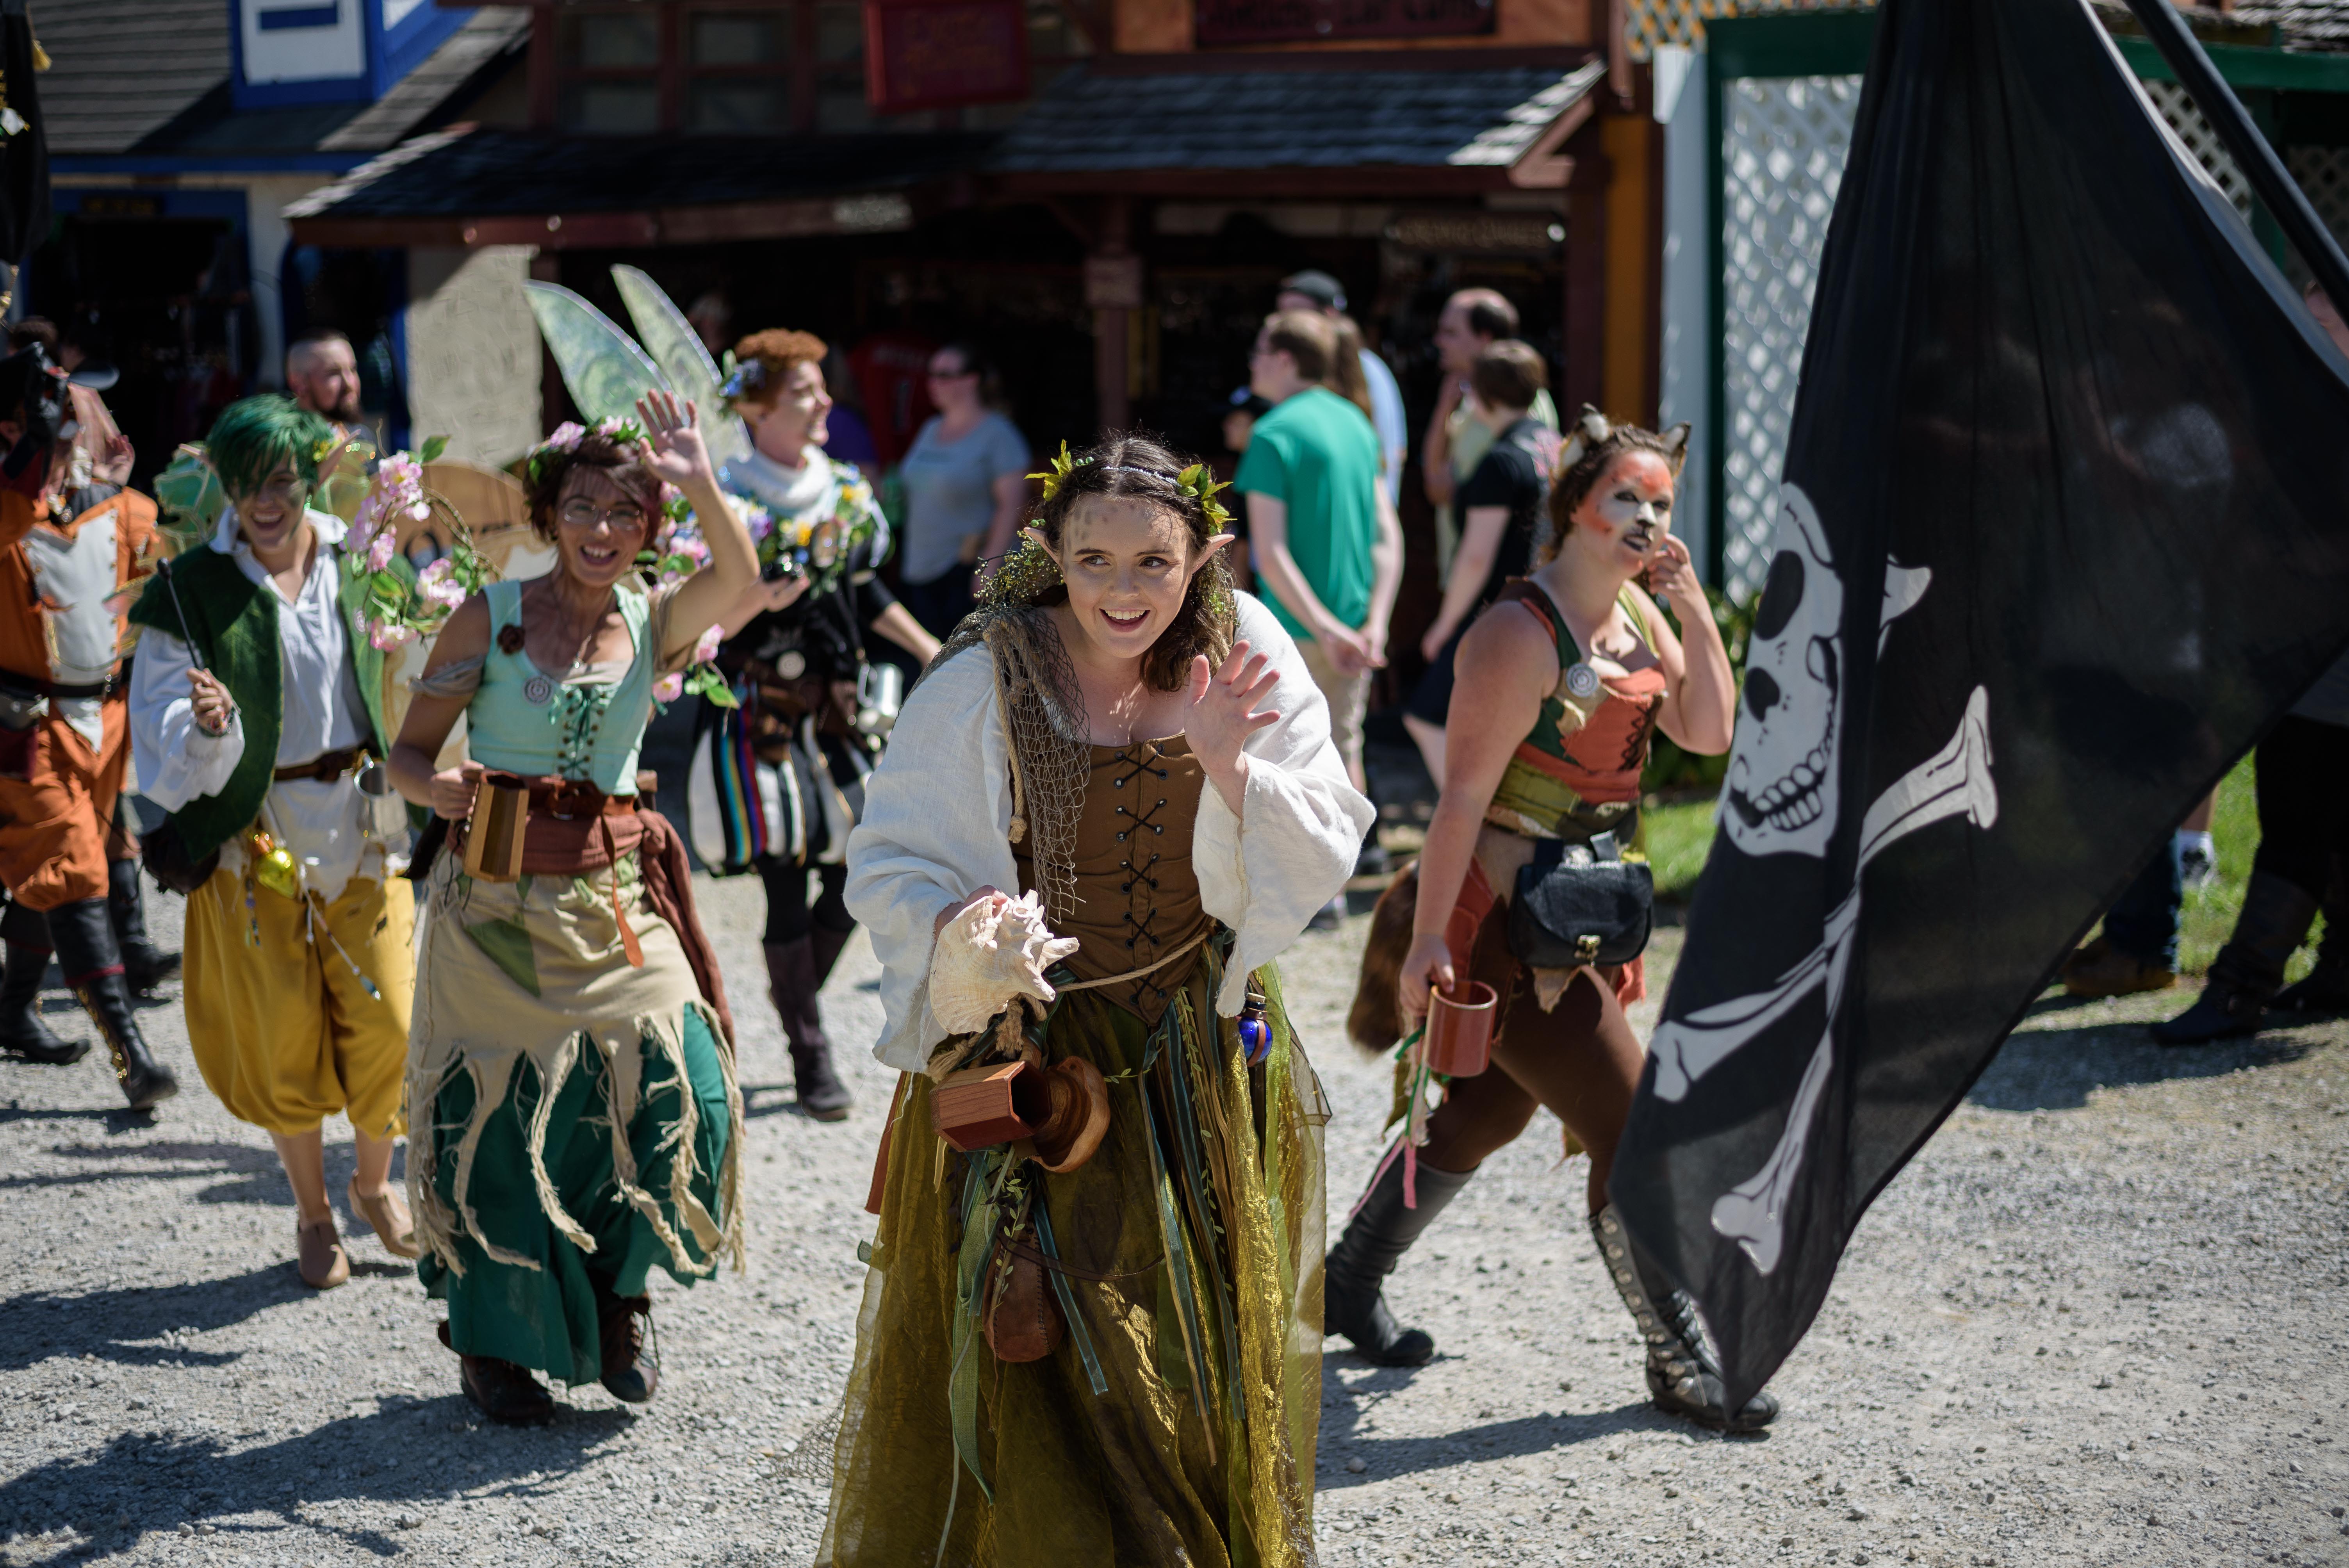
point(575, 1118)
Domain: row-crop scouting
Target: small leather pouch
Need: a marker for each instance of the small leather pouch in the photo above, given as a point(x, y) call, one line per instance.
point(1023, 1322)
point(1579, 904)
point(165, 855)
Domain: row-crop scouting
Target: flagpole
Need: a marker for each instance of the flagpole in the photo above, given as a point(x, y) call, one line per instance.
point(2257, 158)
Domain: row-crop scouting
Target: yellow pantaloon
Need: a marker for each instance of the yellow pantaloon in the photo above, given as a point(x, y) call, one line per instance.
point(284, 1031)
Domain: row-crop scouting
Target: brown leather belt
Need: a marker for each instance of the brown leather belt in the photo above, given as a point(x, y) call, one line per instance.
point(325, 768)
point(567, 799)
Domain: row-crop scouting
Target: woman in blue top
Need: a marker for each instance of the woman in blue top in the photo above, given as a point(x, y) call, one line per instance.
point(573, 1115)
point(966, 478)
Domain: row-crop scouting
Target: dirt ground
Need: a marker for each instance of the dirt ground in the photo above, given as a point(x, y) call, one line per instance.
point(2103, 1318)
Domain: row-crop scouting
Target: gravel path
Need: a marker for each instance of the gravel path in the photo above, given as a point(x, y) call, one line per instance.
point(2100, 1320)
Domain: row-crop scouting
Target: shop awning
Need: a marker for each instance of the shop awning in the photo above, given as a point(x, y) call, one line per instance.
point(480, 185)
point(1305, 124)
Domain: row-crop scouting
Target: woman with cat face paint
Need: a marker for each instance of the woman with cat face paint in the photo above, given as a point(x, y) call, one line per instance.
point(1571, 669)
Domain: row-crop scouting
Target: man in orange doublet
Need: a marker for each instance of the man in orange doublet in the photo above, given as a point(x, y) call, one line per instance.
point(70, 541)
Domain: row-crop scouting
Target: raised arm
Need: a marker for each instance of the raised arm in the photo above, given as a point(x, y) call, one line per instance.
point(679, 457)
point(1699, 705)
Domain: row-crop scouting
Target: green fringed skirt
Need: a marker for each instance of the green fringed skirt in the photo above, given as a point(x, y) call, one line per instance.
point(1196, 1231)
point(545, 1318)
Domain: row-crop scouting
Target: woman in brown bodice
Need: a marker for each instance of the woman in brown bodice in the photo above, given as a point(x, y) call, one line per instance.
point(1126, 735)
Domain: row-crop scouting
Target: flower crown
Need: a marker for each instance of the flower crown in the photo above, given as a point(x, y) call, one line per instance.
point(1197, 482)
point(570, 433)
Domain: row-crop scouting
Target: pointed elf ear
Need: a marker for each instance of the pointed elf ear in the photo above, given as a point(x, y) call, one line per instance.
point(1676, 447)
point(1035, 536)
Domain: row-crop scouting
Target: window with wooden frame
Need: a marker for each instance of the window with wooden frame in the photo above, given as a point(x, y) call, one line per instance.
point(720, 67)
point(723, 68)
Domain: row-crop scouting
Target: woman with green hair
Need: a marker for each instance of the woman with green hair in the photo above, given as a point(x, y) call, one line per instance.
point(257, 713)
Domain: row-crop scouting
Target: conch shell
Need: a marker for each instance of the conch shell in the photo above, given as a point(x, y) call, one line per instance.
point(988, 955)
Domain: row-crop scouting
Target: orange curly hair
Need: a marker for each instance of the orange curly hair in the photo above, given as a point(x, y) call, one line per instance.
point(777, 350)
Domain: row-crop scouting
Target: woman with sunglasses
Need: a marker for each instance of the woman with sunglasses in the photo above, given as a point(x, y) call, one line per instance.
point(570, 1072)
point(795, 651)
point(966, 478)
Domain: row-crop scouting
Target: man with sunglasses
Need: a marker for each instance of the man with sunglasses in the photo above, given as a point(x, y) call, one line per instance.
point(70, 541)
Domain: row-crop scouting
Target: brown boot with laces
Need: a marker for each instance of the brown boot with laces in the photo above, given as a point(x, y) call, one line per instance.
point(630, 1376)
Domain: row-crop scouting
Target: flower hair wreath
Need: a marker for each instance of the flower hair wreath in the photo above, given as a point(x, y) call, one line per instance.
point(1197, 483)
point(567, 436)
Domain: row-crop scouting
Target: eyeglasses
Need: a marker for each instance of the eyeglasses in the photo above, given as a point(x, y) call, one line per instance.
point(587, 514)
point(937, 375)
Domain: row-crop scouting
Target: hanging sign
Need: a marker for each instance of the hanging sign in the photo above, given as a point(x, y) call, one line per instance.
point(941, 54)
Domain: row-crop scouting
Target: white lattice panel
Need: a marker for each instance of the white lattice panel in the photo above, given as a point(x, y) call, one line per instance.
point(2323, 173)
point(2176, 106)
point(1784, 143)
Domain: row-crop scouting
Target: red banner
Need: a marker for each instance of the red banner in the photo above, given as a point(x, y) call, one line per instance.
point(938, 53)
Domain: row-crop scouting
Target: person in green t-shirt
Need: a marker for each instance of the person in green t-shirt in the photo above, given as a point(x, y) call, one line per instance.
point(1322, 535)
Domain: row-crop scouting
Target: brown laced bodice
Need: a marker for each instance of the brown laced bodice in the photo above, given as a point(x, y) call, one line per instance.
point(1138, 896)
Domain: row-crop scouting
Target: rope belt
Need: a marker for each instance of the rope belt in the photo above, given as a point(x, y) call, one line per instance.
point(1137, 974)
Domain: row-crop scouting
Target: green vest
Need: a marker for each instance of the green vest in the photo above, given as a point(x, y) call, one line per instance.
point(231, 622)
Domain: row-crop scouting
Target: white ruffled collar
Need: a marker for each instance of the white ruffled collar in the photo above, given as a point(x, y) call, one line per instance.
point(786, 492)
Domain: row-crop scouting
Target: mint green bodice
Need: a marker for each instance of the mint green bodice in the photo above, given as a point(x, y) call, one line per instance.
point(523, 720)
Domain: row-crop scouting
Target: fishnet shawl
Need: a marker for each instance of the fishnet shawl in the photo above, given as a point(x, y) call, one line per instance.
point(1043, 724)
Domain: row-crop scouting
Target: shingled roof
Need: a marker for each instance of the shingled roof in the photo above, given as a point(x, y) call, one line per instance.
point(121, 69)
point(150, 78)
point(1097, 122)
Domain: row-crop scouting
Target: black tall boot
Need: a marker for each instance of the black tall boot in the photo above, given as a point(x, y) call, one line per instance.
point(86, 953)
point(792, 982)
point(2249, 968)
point(1354, 1275)
point(828, 944)
point(144, 965)
point(2326, 988)
point(1683, 1376)
point(23, 1035)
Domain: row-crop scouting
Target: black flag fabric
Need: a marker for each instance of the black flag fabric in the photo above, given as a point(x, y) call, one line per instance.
point(2064, 528)
point(24, 138)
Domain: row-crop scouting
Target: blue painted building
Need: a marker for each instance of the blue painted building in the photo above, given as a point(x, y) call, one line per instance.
point(179, 131)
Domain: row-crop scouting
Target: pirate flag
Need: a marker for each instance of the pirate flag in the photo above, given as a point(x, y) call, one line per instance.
point(2062, 532)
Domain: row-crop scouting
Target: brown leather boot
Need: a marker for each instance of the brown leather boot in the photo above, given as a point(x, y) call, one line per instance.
point(630, 1375)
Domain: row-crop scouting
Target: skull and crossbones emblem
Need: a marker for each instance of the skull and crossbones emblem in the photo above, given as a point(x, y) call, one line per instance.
point(1782, 798)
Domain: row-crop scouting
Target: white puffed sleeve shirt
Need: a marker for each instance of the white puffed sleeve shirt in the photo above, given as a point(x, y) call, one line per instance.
point(937, 823)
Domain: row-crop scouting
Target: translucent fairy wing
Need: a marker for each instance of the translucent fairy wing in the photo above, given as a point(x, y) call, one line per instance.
point(601, 365)
point(678, 349)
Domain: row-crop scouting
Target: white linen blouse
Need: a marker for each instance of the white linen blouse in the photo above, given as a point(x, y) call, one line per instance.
point(334, 830)
point(937, 822)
